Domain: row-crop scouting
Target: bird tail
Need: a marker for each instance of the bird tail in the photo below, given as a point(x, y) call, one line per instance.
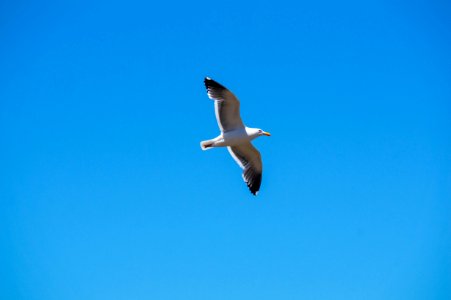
point(205, 145)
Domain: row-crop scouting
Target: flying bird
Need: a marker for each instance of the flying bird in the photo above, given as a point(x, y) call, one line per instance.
point(235, 135)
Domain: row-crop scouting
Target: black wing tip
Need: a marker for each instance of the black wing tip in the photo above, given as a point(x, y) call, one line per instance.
point(253, 191)
point(254, 185)
point(210, 83)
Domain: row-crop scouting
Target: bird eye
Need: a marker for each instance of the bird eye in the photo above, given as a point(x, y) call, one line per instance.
point(260, 131)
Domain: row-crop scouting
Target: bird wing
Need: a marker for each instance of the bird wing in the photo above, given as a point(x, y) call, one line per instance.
point(249, 159)
point(227, 106)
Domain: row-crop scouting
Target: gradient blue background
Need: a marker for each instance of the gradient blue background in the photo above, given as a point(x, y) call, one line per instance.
point(105, 193)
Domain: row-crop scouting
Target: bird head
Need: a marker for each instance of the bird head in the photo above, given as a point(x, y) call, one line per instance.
point(260, 132)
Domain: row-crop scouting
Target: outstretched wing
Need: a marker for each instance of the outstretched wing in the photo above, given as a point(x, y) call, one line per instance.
point(249, 159)
point(227, 106)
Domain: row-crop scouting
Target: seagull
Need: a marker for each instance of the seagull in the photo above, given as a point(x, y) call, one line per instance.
point(235, 135)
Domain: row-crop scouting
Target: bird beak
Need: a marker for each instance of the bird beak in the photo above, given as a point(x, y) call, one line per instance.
point(267, 133)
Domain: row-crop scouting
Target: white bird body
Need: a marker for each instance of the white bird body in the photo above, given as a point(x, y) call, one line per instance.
point(231, 138)
point(234, 135)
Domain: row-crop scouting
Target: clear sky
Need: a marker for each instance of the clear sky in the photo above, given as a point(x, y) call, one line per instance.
point(106, 194)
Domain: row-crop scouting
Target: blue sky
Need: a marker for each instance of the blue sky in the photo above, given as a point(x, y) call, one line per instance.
point(106, 194)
